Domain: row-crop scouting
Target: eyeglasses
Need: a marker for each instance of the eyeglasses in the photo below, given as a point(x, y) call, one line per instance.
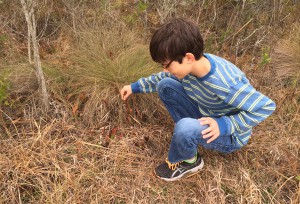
point(166, 65)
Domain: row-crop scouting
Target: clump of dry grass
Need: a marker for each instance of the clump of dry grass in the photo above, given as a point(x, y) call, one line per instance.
point(106, 58)
point(285, 61)
point(101, 81)
point(286, 56)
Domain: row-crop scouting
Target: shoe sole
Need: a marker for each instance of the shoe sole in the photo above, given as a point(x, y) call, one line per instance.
point(191, 172)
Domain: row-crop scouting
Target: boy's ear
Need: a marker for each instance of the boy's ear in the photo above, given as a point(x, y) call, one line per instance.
point(190, 57)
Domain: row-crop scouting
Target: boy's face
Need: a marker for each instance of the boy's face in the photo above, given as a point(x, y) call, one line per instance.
point(177, 69)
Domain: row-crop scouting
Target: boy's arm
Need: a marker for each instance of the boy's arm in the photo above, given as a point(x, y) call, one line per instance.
point(149, 84)
point(253, 107)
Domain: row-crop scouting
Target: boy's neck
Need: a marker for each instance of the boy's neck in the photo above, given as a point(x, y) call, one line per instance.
point(201, 67)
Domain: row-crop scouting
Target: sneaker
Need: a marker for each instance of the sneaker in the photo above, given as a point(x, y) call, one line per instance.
point(173, 172)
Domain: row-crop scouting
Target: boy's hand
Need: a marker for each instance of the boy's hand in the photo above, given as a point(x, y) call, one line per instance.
point(125, 92)
point(213, 131)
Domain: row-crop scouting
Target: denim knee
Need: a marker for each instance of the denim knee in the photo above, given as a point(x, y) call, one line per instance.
point(189, 127)
point(166, 83)
point(185, 140)
point(187, 136)
point(187, 132)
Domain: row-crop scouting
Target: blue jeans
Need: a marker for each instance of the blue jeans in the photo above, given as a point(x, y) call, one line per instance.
point(187, 132)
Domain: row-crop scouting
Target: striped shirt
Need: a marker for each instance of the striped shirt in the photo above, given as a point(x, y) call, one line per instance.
point(224, 94)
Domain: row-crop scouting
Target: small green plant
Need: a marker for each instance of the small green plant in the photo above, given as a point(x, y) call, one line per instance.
point(225, 35)
point(140, 8)
point(131, 19)
point(265, 57)
point(3, 41)
point(4, 86)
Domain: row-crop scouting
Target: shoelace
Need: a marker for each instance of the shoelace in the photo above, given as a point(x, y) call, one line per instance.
point(172, 166)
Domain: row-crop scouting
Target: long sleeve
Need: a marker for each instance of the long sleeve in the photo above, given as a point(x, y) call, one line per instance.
point(149, 84)
point(251, 106)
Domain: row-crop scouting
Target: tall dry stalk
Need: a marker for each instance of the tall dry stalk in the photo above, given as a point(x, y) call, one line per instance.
point(28, 9)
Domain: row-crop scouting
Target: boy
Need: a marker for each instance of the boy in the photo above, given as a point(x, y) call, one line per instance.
point(210, 100)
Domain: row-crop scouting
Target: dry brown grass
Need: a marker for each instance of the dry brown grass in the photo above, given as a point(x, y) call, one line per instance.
point(54, 161)
point(57, 159)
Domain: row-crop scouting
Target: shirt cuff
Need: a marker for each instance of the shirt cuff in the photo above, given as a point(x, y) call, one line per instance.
point(222, 126)
point(135, 87)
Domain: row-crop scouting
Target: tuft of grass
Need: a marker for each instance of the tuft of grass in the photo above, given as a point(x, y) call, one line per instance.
point(105, 60)
point(286, 56)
